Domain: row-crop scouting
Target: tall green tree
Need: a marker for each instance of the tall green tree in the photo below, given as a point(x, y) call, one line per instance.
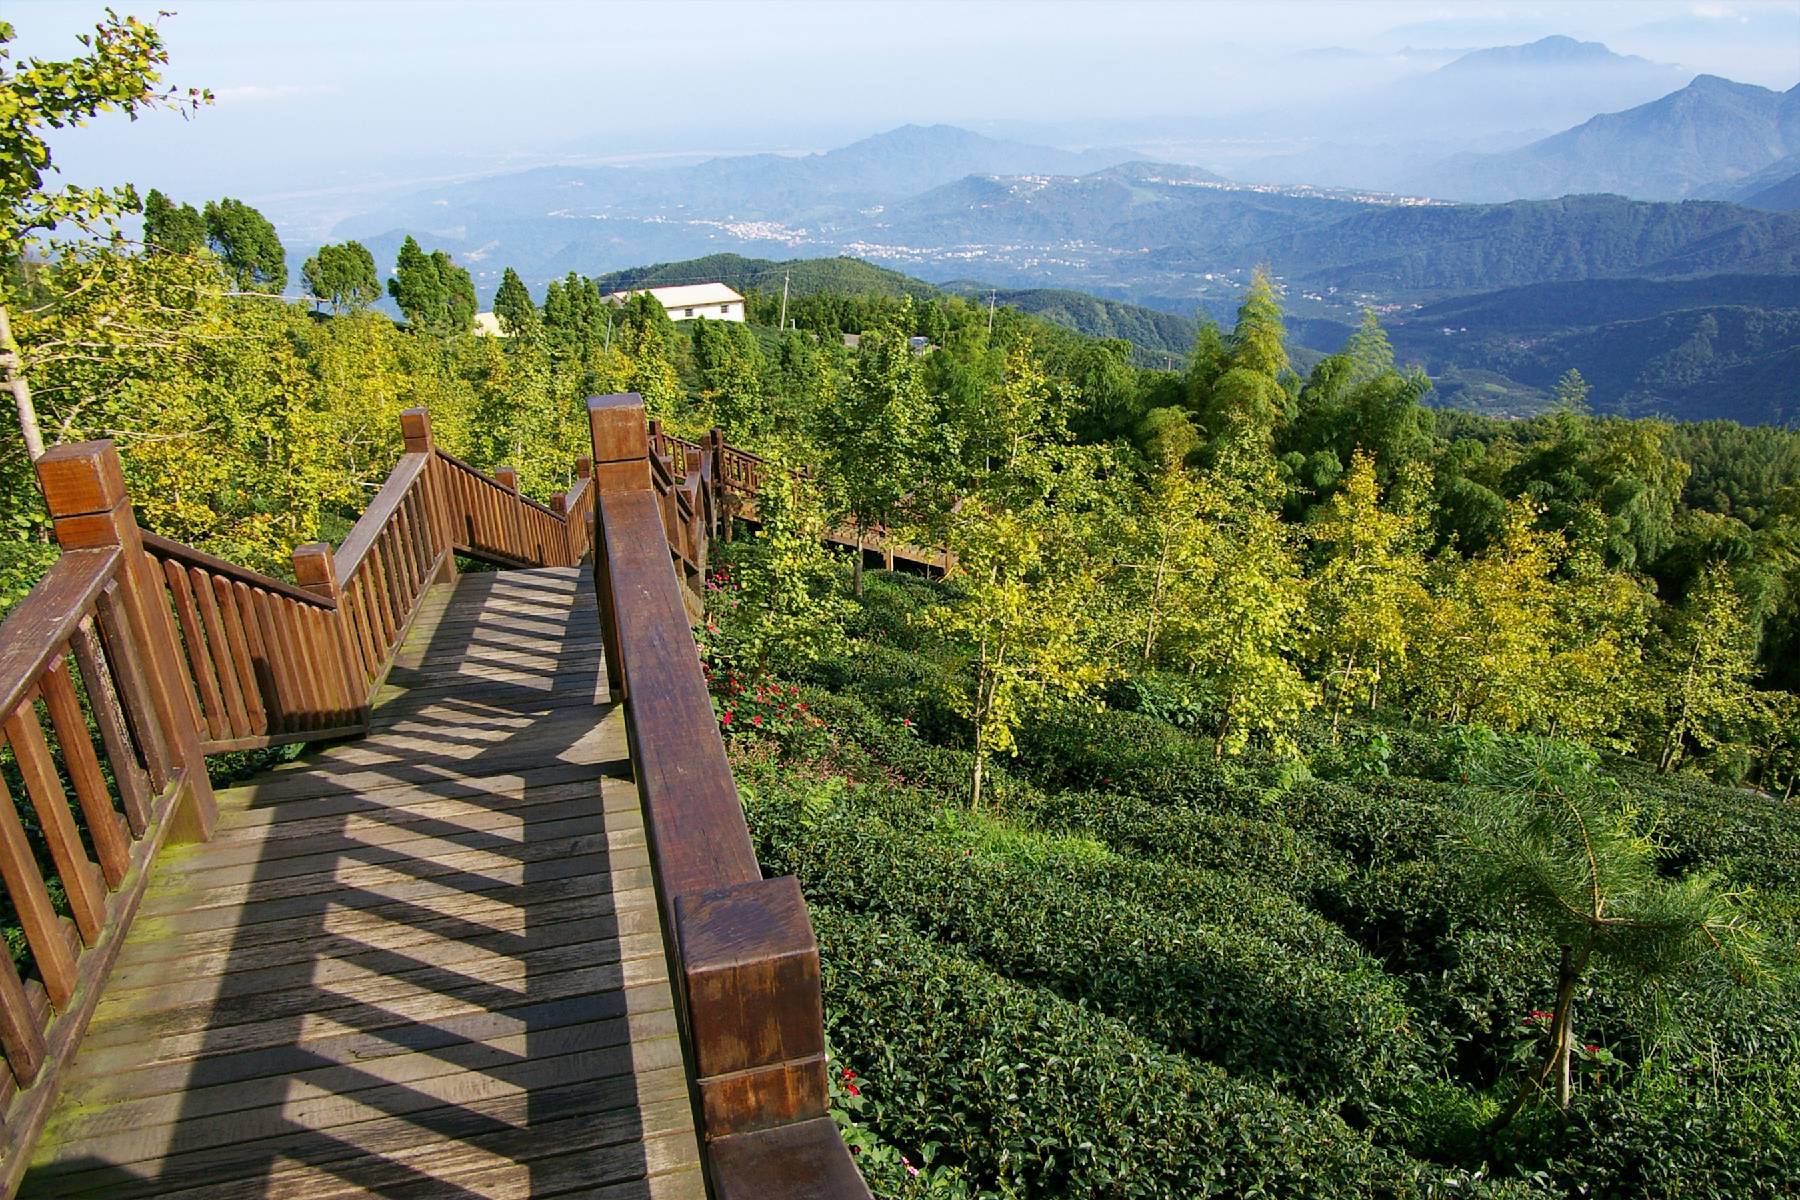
point(435, 295)
point(245, 242)
point(874, 433)
point(513, 308)
point(343, 276)
point(1023, 613)
point(171, 228)
point(1706, 666)
point(1367, 593)
point(119, 70)
point(1249, 398)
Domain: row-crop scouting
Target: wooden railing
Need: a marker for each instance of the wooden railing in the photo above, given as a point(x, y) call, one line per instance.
point(136, 656)
point(742, 954)
point(92, 653)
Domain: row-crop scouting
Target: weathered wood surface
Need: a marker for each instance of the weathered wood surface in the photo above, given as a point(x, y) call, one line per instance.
point(426, 963)
point(747, 975)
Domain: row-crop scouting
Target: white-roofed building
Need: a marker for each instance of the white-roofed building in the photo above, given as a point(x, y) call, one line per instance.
point(691, 301)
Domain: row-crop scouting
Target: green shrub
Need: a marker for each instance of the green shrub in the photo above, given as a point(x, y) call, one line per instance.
point(1752, 838)
point(1272, 854)
point(1080, 749)
point(1040, 1097)
point(1206, 980)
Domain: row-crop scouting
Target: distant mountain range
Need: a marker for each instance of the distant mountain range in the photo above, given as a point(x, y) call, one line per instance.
point(1393, 136)
point(1699, 140)
point(1082, 236)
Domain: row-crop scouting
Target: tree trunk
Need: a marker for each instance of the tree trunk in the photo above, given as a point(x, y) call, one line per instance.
point(857, 576)
point(13, 371)
point(980, 770)
point(1556, 1058)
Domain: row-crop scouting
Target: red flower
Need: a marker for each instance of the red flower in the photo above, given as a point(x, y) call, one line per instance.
point(1591, 1048)
point(726, 719)
point(849, 1074)
point(756, 719)
point(854, 1090)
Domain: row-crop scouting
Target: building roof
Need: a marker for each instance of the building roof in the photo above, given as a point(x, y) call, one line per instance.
point(684, 295)
point(488, 325)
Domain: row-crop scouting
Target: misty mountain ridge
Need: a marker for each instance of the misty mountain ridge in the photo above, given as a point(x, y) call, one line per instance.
point(783, 188)
point(1711, 133)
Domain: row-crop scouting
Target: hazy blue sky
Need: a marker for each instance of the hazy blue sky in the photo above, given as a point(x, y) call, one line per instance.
point(326, 95)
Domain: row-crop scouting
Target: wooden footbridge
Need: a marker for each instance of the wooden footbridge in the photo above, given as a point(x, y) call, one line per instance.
point(500, 933)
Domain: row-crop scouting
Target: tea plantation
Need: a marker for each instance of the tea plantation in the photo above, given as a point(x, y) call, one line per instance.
point(1143, 970)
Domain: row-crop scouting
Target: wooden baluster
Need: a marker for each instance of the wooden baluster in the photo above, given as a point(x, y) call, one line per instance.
point(316, 571)
point(406, 565)
point(288, 685)
point(559, 504)
point(111, 843)
point(50, 948)
point(261, 658)
point(134, 796)
point(356, 600)
point(715, 445)
point(225, 597)
point(224, 668)
point(81, 882)
point(131, 672)
point(386, 583)
point(20, 1035)
point(508, 479)
point(189, 648)
point(84, 489)
point(375, 606)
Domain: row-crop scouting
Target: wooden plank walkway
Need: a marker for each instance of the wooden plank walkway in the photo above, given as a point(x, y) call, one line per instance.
point(425, 963)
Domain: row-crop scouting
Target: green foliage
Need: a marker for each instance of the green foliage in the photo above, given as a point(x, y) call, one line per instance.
point(1187, 963)
point(513, 308)
point(170, 228)
point(1037, 1096)
point(435, 295)
point(119, 71)
point(1544, 830)
point(1705, 669)
point(779, 607)
point(342, 276)
point(245, 242)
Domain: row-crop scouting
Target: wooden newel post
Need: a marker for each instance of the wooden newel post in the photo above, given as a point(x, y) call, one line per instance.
point(316, 570)
point(84, 489)
point(415, 428)
point(621, 464)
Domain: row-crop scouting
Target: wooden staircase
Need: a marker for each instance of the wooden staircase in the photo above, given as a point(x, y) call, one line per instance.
point(499, 932)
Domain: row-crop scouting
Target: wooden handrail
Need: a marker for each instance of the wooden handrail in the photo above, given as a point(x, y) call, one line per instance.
point(361, 538)
point(745, 963)
point(41, 624)
point(162, 547)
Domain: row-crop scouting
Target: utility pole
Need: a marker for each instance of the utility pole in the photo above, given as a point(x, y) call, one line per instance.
point(782, 324)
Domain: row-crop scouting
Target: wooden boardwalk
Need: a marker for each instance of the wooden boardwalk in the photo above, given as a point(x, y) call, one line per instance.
point(424, 963)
